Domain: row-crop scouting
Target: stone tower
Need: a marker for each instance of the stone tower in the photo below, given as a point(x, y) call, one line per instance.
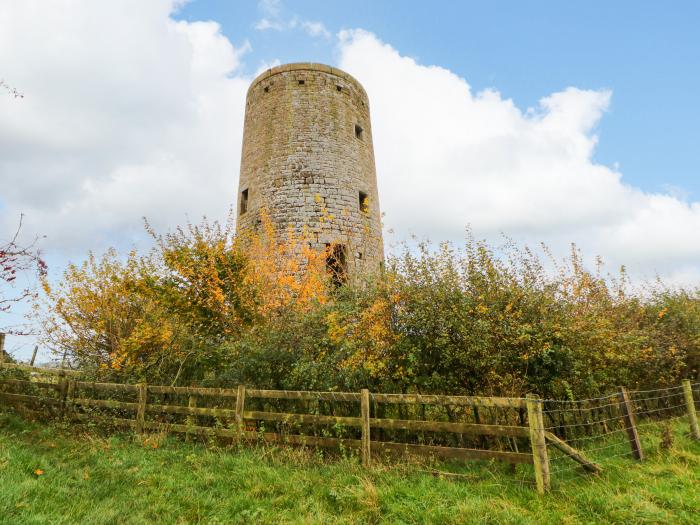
point(308, 160)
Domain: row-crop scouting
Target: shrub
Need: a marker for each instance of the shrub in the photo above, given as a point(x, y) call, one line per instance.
point(206, 307)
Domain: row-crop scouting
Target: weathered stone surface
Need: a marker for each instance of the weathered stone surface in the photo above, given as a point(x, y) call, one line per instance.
point(307, 157)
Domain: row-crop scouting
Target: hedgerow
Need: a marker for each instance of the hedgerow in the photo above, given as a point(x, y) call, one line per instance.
point(206, 307)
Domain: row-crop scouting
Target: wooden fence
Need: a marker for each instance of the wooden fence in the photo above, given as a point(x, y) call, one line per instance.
point(241, 414)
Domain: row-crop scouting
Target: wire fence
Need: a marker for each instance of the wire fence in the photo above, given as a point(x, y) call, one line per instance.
point(557, 439)
point(616, 426)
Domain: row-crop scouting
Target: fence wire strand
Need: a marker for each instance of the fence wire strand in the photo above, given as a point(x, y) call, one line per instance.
point(596, 428)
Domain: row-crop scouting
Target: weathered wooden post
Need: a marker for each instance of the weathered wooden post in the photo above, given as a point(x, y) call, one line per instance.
point(190, 420)
point(630, 420)
point(538, 442)
point(364, 409)
point(36, 349)
point(141, 410)
point(70, 394)
point(240, 404)
point(690, 405)
point(62, 392)
point(2, 347)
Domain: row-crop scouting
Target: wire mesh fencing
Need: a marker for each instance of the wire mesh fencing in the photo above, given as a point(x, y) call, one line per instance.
point(556, 440)
point(610, 430)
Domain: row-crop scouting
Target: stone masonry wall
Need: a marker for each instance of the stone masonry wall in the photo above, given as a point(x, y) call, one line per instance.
point(307, 155)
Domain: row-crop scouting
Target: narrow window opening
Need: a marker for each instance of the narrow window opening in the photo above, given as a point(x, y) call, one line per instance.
point(358, 131)
point(336, 263)
point(338, 88)
point(301, 82)
point(267, 89)
point(244, 201)
point(363, 202)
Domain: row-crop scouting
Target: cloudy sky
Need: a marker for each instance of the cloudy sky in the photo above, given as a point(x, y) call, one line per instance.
point(542, 120)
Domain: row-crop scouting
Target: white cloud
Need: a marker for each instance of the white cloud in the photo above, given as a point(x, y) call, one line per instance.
point(123, 116)
point(316, 29)
point(270, 7)
point(265, 23)
point(447, 156)
point(275, 21)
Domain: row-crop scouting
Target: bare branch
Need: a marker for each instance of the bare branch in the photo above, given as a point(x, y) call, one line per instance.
point(11, 90)
point(15, 259)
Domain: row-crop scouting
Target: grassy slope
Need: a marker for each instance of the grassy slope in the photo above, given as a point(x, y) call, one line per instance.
point(92, 479)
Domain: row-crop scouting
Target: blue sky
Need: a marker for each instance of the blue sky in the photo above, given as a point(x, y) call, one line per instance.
point(547, 121)
point(647, 53)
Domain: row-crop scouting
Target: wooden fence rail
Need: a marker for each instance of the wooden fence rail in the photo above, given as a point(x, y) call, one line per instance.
point(237, 414)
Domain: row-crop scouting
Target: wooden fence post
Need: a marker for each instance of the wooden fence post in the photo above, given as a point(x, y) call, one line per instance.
point(141, 410)
point(690, 405)
point(62, 392)
point(190, 420)
point(538, 442)
point(2, 347)
point(36, 349)
point(630, 420)
point(240, 403)
point(364, 408)
point(70, 394)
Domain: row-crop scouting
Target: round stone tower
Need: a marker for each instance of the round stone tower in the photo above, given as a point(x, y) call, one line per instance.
point(308, 161)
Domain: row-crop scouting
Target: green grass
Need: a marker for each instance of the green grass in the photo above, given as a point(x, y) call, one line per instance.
point(90, 478)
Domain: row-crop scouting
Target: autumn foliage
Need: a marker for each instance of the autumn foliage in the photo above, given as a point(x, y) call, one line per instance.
point(168, 312)
point(209, 308)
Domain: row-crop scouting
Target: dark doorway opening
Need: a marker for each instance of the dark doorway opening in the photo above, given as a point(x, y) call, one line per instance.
point(336, 263)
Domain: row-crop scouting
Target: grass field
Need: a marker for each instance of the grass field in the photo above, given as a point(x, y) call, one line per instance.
point(52, 474)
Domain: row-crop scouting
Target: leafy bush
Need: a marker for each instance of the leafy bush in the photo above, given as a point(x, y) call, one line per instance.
point(209, 308)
